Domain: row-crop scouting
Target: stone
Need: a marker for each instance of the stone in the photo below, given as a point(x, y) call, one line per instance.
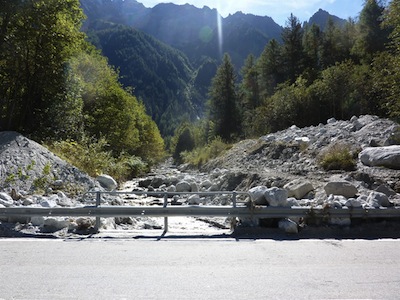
point(49, 203)
point(107, 182)
point(194, 188)
point(388, 157)
point(6, 199)
point(52, 224)
point(353, 203)
point(343, 188)
point(257, 195)
point(276, 196)
point(376, 199)
point(84, 223)
point(183, 186)
point(288, 226)
point(298, 188)
point(206, 184)
point(157, 181)
point(194, 200)
point(144, 183)
point(63, 200)
point(385, 190)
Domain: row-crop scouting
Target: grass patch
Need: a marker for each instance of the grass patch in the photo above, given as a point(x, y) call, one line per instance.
point(92, 157)
point(201, 155)
point(337, 157)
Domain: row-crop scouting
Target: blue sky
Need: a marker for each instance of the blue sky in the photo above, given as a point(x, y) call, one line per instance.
point(279, 10)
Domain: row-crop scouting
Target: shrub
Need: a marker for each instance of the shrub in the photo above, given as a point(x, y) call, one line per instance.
point(337, 157)
point(92, 157)
point(201, 155)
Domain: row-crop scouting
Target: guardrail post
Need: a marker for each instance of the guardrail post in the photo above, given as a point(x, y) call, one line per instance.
point(97, 224)
point(234, 199)
point(165, 218)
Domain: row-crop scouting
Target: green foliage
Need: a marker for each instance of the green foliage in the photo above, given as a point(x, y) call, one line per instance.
point(185, 142)
point(43, 181)
point(202, 155)
point(37, 39)
point(223, 102)
point(92, 157)
point(161, 76)
point(112, 112)
point(337, 157)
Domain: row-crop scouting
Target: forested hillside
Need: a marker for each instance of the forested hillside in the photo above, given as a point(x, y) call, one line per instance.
point(161, 76)
point(55, 87)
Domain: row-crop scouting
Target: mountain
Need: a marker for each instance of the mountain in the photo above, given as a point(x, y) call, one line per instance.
point(321, 18)
point(192, 30)
point(161, 76)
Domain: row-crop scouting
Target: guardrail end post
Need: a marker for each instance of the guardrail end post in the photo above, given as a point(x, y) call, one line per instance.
point(165, 218)
point(97, 224)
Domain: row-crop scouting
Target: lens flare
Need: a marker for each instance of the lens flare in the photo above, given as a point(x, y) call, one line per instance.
point(219, 25)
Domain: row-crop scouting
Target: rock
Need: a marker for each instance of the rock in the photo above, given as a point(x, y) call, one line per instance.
point(144, 183)
point(376, 199)
point(194, 188)
point(343, 188)
point(84, 223)
point(171, 189)
point(52, 224)
point(124, 220)
point(15, 195)
point(107, 182)
point(288, 226)
point(157, 181)
point(194, 200)
point(257, 195)
point(353, 203)
point(388, 157)
point(50, 203)
point(63, 200)
point(298, 188)
point(276, 196)
point(331, 121)
point(385, 190)
point(37, 220)
point(6, 199)
point(183, 186)
point(206, 184)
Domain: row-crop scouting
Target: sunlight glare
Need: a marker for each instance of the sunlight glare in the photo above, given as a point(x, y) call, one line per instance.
point(219, 24)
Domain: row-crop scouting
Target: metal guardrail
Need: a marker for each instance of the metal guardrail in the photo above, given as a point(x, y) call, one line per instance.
point(241, 211)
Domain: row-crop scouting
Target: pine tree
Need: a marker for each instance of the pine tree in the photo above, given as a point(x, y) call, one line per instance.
point(223, 102)
point(293, 56)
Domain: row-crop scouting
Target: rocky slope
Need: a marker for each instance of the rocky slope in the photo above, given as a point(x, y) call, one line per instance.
point(279, 169)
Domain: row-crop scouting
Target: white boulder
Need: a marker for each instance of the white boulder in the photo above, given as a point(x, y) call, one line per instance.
point(298, 188)
point(6, 199)
point(276, 196)
point(343, 188)
point(388, 157)
point(257, 195)
point(107, 182)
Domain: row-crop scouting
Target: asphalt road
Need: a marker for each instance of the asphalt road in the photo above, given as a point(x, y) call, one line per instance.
point(199, 268)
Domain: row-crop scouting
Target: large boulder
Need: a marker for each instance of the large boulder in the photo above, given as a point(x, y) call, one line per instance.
point(343, 188)
point(276, 196)
point(376, 199)
point(257, 195)
point(6, 199)
point(183, 186)
point(298, 188)
point(388, 157)
point(107, 182)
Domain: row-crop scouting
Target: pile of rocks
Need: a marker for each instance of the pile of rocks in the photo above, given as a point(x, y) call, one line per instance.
point(279, 169)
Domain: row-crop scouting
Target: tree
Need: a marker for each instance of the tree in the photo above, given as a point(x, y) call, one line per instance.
point(293, 57)
point(270, 68)
point(223, 102)
point(37, 39)
point(249, 93)
point(372, 36)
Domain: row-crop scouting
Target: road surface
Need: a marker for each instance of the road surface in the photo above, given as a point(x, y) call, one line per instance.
point(199, 268)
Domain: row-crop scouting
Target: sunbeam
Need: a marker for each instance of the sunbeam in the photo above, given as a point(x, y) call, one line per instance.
point(219, 24)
